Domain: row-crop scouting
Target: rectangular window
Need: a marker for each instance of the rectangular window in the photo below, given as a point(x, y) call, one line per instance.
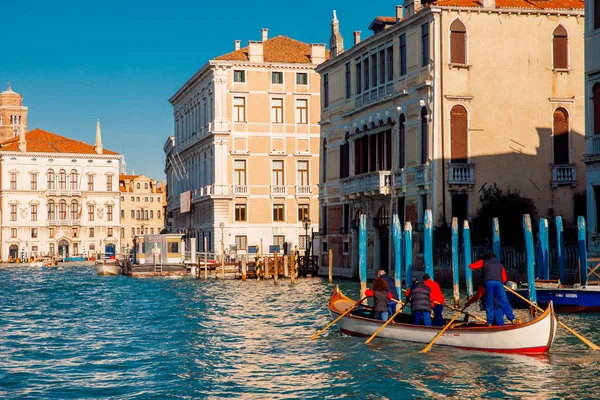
point(326, 90)
point(90, 183)
point(123, 214)
point(13, 181)
point(240, 213)
point(302, 178)
point(366, 73)
point(158, 214)
point(109, 181)
point(303, 212)
point(91, 234)
point(278, 178)
point(348, 81)
point(75, 248)
point(279, 240)
point(74, 232)
point(301, 78)
point(132, 214)
point(74, 185)
point(402, 55)
point(239, 172)
point(303, 242)
point(241, 242)
point(301, 111)
point(239, 109)
point(34, 178)
point(90, 213)
point(13, 233)
point(13, 212)
point(51, 232)
point(358, 70)
point(382, 61)
point(278, 213)
point(425, 44)
point(132, 232)
point(390, 63)
point(373, 70)
point(239, 76)
point(277, 111)
point(109, 213)
point(34, 233)
point(109, 232)
point(277, 78)
point(151, 214)
point(34, 210)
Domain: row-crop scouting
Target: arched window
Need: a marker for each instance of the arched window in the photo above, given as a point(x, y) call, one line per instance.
point(402, 142)
point(596, 104)
point(458, 135)
point(62, 209)
point(458, 42)
point(345, 157)
point(74, 210)
point(62, 179)
point(560, 46)
point(50, 180)
point(561, 136)
point(383, 217)
point(74, 180)
point(324, 157)
point(424, 136)
point(51, 210)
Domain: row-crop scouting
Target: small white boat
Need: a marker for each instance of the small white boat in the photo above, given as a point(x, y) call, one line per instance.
point(535, 336)
point(109, 266)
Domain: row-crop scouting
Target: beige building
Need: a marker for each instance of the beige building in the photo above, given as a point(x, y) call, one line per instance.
point(592, 124)
point(242, 166)
point(142, 201)
point(443, 100)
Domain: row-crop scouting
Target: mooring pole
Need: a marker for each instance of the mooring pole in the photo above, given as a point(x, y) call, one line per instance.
point(582, 249)
point(428, 244)
point(467, 249)
point(362, 254)
point(205, 261)
point(496, 238)
point(530, 257)
point(455, 274)
point(275, 268)
point(560, 246)
point(408, 258)
point(542, 254)
point(244, 269)
point(397, 237)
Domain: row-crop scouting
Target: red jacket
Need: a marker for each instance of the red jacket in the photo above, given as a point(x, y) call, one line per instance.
point(436, 293)
point(369, 293)
point(479, 265)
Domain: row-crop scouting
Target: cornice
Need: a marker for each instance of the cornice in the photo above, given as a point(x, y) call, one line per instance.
point(18, 154)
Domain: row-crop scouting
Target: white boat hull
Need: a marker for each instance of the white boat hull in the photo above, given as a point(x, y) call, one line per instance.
point(108, 269)
point(535, 336)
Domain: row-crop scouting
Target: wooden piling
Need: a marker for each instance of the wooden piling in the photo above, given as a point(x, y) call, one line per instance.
point(275, 268)
point(330, 266)
point(467, 256)
point(266, 264)
point(428, 241)
point(530, 257)
point(294, 266)
point(205, 261)
point(286, 271)
point(362, 254)
point(244, 269)
point(582, 250)
point(455, 274)
point(397, 238)
point(496, 238)
point(408, 259)
point(560, 245)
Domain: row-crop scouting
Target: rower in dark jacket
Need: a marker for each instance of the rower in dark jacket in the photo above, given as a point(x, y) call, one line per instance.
point(391, 283)
point(420, 302)
point(494, 277)
point(380, 295)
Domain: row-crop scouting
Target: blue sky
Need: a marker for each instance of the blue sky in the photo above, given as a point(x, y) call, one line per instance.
point(75, 62)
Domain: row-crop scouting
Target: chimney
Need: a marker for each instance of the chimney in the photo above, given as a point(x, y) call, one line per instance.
point(98, 146)
point(489, 3)
point(22, 142)
point(400, 13)
point(356, 37)
point(255, 51)
point(265, 34)
point(317, 53)
point(236, 45)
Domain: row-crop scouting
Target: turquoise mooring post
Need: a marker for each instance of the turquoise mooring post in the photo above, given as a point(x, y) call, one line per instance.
point(397, 236)
point(362, 254)
point(408, 259)
point(544, 252)
point(582, 250)
point(560, 246)
point(530, 257)
point(496, 238)
point(428, 251)
point(467, 246)
point(455, 275)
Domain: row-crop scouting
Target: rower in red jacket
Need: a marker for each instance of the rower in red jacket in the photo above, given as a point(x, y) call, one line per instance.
point(437, 300)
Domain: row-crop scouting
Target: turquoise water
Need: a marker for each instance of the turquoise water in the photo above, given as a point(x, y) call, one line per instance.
point(72, 334)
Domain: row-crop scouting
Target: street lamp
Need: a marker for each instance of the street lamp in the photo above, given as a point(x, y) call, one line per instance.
point(306, 223)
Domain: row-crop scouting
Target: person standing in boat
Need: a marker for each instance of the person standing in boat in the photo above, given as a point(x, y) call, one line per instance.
point(391, 283)
point(419, 296)
point(494, 277)
point(381, 295)
point(437, 300)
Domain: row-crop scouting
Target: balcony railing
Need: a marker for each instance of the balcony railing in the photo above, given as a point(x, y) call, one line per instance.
point(592, 148)
point(278, 190)
point(421, 174)
point(241, 190)
point(378, 182)
point(398, 179)
point(64, 222)
point(461, 174)
point(322, 191)
point(303, 190)
point(564, 174)
point(63, 192)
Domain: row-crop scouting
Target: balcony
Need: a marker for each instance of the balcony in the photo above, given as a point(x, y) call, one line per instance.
point(422, 175)
point(322, 191)
point(64, 222)
point(241, 190)
point(371, 183)
point(208, 191)
point(278, 190)
point(303, 190)
point(461, 174)
point(63, 192)
point(399, 180)
point(563, 174)
point(592, 149)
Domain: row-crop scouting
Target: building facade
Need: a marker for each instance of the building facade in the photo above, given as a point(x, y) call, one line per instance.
point(592, 123)
point(60, 196)
point(242, 167)
point(443, 100)
point(142, 201)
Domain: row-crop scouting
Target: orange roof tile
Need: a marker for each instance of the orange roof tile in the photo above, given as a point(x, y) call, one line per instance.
point(278, 49)
point(40, 141)
point(123, 189)
point(122, 177)
point(387, 20)
point(527, 4)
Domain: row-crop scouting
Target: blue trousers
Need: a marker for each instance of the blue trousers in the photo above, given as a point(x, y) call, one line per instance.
point(498, 317)
point(381, 315)
point(391, 307)
point(417, 315)
point(496, 289)
point(438, 318)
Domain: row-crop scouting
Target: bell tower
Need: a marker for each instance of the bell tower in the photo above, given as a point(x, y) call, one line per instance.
point(12, 114)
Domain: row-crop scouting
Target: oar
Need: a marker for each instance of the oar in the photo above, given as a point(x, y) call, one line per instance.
point(584, 340)
point(386, 322)
point(430, 345)
point(316, 335)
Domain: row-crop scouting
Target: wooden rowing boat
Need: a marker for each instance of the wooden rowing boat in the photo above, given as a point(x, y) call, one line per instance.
point(535, 336)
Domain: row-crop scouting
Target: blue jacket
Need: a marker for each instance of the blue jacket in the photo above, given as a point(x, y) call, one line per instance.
point(391, 286)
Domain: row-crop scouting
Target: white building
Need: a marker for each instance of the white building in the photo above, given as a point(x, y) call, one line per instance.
point(59, 196)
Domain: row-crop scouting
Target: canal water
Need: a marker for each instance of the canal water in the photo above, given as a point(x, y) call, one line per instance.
point(72, 334)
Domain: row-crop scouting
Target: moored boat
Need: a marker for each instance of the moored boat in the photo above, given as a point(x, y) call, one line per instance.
point(535, 336)
point(109, 266)
point(565, 298)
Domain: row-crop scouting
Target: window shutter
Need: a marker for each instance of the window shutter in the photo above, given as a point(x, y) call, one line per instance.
point(458, 134)
point(561, 47)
